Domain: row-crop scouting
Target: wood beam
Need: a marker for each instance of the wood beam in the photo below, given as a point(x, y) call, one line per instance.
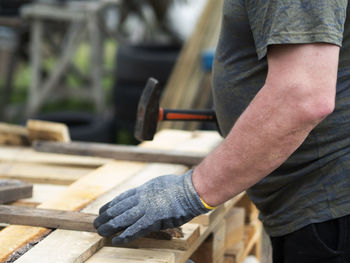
point(118, 152)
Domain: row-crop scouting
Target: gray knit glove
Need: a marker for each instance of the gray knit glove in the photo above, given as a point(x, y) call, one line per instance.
point(163, 202)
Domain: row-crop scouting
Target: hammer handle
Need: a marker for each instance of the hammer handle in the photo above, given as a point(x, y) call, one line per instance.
point(186, 115)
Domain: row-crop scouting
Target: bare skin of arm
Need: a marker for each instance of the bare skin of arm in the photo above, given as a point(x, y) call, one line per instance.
point(299, 92)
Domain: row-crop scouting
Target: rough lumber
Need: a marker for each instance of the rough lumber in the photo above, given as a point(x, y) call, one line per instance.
point(212, 249)
point(13, 135)
point(13, 190)
point(28, 155)
point(122, 255)
point(72, 246)
point(235, 253)
point(74, 198)
point(42, 173)
point(60, 219)
point(191, 234)
point(185, 84)
point(46, 130)
point(41, 193)
point(234, 226)
point(48, 218)
point(118, 152)
point(252, 238)
point(180, 256)
point(251, 212)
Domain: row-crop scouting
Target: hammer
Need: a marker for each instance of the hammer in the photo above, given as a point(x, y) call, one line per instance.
point(149, 113)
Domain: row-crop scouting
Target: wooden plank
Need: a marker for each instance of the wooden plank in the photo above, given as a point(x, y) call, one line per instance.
point(42, 173)
point(235, 253)
point(28, 155)
point(234, 226)
point(47, 131)
point(74, 198)
point(251, 212)
point(118, 152)
point(252, 235)
point(60, 219)
point(205, 231)
point(48, 218)
point(125, 255)
point(212, 249)
point(71, 246)
point(13, 190)
point(191, 234)
point(13, 135)
point(41, 193)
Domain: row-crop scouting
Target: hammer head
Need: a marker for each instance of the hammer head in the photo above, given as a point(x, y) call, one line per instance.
point(148, 111)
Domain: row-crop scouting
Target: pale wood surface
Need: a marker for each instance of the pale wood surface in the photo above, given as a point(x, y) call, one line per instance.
point(13, 135)
point(42, 173)
point(191, 234)
point(119, 152)
point(28, 155)
point(45, 130)
point(13, 190)
point(68, 246)
point(125, 255)
point(42, 192)
point(234, 226)
point(48, 218)
point(75, 197)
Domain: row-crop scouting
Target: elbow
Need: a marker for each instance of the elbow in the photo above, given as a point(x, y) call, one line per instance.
point(319, 111)
point(317, 107)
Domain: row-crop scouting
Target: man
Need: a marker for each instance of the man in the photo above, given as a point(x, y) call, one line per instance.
point(281, 88)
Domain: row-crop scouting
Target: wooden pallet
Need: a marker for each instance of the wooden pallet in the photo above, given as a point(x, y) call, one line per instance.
point(104, 179)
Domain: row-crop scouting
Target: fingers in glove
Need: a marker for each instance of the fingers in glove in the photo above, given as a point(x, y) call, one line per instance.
point(120, 223)
point(139, 229)
point(116, 210)
point(117, 199)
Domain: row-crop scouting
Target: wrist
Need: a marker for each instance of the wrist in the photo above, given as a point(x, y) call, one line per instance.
point(194, 201)
point(204, 189)
point(199, 186)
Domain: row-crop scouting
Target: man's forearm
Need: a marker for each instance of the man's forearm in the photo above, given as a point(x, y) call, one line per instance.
point(262, 139)
point(272, 127)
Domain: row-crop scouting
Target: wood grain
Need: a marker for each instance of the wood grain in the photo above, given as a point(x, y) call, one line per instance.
point(118, 152)
point(48, 218)
point(46, 130)
point(72, 246)
point(13, 190)
point(13, 135)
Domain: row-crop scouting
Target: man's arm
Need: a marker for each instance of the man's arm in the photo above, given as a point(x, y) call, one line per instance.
point(299, 93)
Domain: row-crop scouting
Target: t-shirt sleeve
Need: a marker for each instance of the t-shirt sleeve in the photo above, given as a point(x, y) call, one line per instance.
point(295, 22)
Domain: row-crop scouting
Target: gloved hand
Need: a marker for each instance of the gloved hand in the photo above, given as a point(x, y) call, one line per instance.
point(163, 202)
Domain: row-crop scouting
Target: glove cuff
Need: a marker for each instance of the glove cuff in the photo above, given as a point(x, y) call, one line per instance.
point(194, 201)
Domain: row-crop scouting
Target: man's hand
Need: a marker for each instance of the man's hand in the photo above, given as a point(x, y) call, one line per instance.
point(163, 202)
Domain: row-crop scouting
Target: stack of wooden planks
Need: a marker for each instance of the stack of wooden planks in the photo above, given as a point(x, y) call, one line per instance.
point(80, 183)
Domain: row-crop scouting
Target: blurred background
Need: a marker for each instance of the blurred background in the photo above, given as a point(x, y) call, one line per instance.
point(85, 62)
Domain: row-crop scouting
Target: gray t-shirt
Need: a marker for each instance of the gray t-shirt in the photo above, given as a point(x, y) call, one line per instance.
point(313, 185)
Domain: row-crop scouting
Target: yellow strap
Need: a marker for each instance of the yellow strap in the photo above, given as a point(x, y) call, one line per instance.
point(206, 205)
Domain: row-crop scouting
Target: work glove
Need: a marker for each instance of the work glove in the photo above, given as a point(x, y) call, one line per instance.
point(163, 202)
